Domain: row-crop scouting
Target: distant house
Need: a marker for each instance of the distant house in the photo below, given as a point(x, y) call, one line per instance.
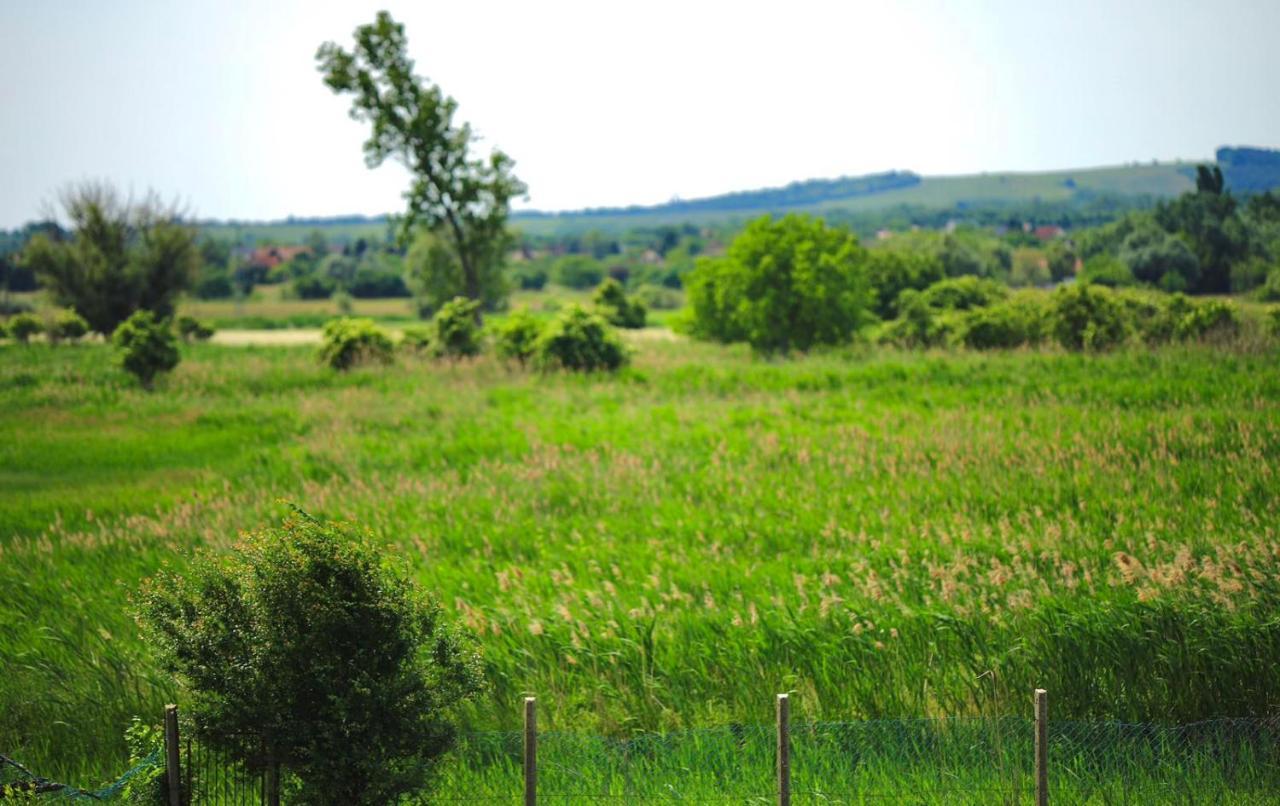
point(268, 257)
point(884, 234)
point(1048, 233)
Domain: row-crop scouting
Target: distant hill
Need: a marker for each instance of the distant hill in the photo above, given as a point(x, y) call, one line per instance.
point(1246, 170)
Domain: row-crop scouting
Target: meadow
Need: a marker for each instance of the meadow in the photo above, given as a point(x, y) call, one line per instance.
point(886, 534)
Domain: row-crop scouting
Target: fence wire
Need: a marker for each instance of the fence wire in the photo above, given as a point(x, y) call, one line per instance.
point(911, 761)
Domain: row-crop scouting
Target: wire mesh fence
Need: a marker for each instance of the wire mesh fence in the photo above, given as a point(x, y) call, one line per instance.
point(916, 761)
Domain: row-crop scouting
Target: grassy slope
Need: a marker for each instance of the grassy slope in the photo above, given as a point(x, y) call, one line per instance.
point(1161, 180)
point(670, 547)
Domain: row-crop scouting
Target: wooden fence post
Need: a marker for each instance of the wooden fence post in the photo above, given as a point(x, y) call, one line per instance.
point(1042, 747)
point(530, 752)
point(784, 750)
point(171, 763)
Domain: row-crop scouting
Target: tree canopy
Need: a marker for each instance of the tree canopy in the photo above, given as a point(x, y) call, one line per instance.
point(463, 197)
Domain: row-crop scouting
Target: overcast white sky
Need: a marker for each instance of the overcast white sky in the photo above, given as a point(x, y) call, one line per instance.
point(610, 103)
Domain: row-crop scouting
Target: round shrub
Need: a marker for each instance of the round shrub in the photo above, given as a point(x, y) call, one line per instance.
point(658, 297)
point(67, 326)
point(611, 299)
point(308, 646)
point(581, 341)
point(454, 332)
point(351, 342)
point(1016, 322)
point(416, 338)
point(23, 326)
point(1208, 318)
point(790, 284)
point(192, 329)
point(516, 337)
point(1088, 317)
point(918, 324)
point(147, 346)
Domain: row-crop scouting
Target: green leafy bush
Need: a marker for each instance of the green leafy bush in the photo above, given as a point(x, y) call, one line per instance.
point(963, 293)
point(454, 332)
point(892, 271)
point(23, 326)
point(351, 342)
point(580, 341)
point(1019, 321)
point(1270, 290)
point(310, 647)
point(1208, 318)
point(1108, 271)
point(918, 324)
point(611, 300)
point(416, 338)
point(1088, 317)
point(147, 346)
point(67, 325)
point(148, 784)
point(192, 329)
point(578, 271)
point(516, 337)
point(793, 283)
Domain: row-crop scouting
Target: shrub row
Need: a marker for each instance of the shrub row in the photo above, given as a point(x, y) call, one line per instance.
point(576, 339)
point(1080, 317)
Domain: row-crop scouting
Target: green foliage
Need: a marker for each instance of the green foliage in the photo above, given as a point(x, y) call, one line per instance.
point(464, 197)
point(349, 342)
point(787, 284)
point(1156, 257)
point(1208, 318)
point(963, 293)
point(1019, 321)
point(314, 286)
point(892, 271)
point(530, 276)
point(1062, 261)
point(121, 258)
point(516, 336)
point(146, 346)
point(344, 302)
point(416, 338)
point(455, 333)
point(67, 326)
point(658, 297)
point(1088, 317)
point(578, 271)
point(149, 784)
point(1210, 221)
point(1107, 271)
point(1270, 290)
point(611, 300)
point(23, 326)
point(918, 323)
point(580, 341)
point(309, 646)
point(435, 275)
point(192, 329)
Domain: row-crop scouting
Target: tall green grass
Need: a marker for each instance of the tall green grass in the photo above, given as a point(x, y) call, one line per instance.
point(885, 534)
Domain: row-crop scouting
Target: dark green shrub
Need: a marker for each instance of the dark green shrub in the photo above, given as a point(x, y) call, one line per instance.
point(1207, 318)
point(314, 286)
point(516, 337)
point(783, 285)
point(147, 346)
point(454, 330)
point(23, 326)
point(581, 341)
point(67, 326)
point(214, 285)
point(148, 784)
point(1273, 319)
point(611, 300)
point(530, 277)
point(350, 342)
point(892, 271)
point(192, 329)
point(963, 293)
point(310, 647)
point(1270, 290)
point(1016, 322)
point(1105, 270)
point(918, 323)
point(1088, 317)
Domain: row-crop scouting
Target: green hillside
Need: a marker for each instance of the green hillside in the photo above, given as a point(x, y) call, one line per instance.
point(1246, 169)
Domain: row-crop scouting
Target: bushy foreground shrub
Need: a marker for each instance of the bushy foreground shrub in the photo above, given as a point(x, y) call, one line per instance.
point(963, 293)
point(1019, 321)
point(147, 346)
point(1089, 317)
point(516, 337)
point(349, 343)
point(612, 301)
point(23, 326)
point(453, 331)
point(581, 341)
point(310, 647)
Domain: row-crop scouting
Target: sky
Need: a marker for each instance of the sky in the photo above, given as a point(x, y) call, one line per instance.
point(219, 106)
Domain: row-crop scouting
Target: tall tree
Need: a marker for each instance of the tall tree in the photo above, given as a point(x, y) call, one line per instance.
point(463, 197)
point(121, 257)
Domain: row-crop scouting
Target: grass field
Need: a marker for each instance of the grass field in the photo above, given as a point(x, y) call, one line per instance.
point(884, 534)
